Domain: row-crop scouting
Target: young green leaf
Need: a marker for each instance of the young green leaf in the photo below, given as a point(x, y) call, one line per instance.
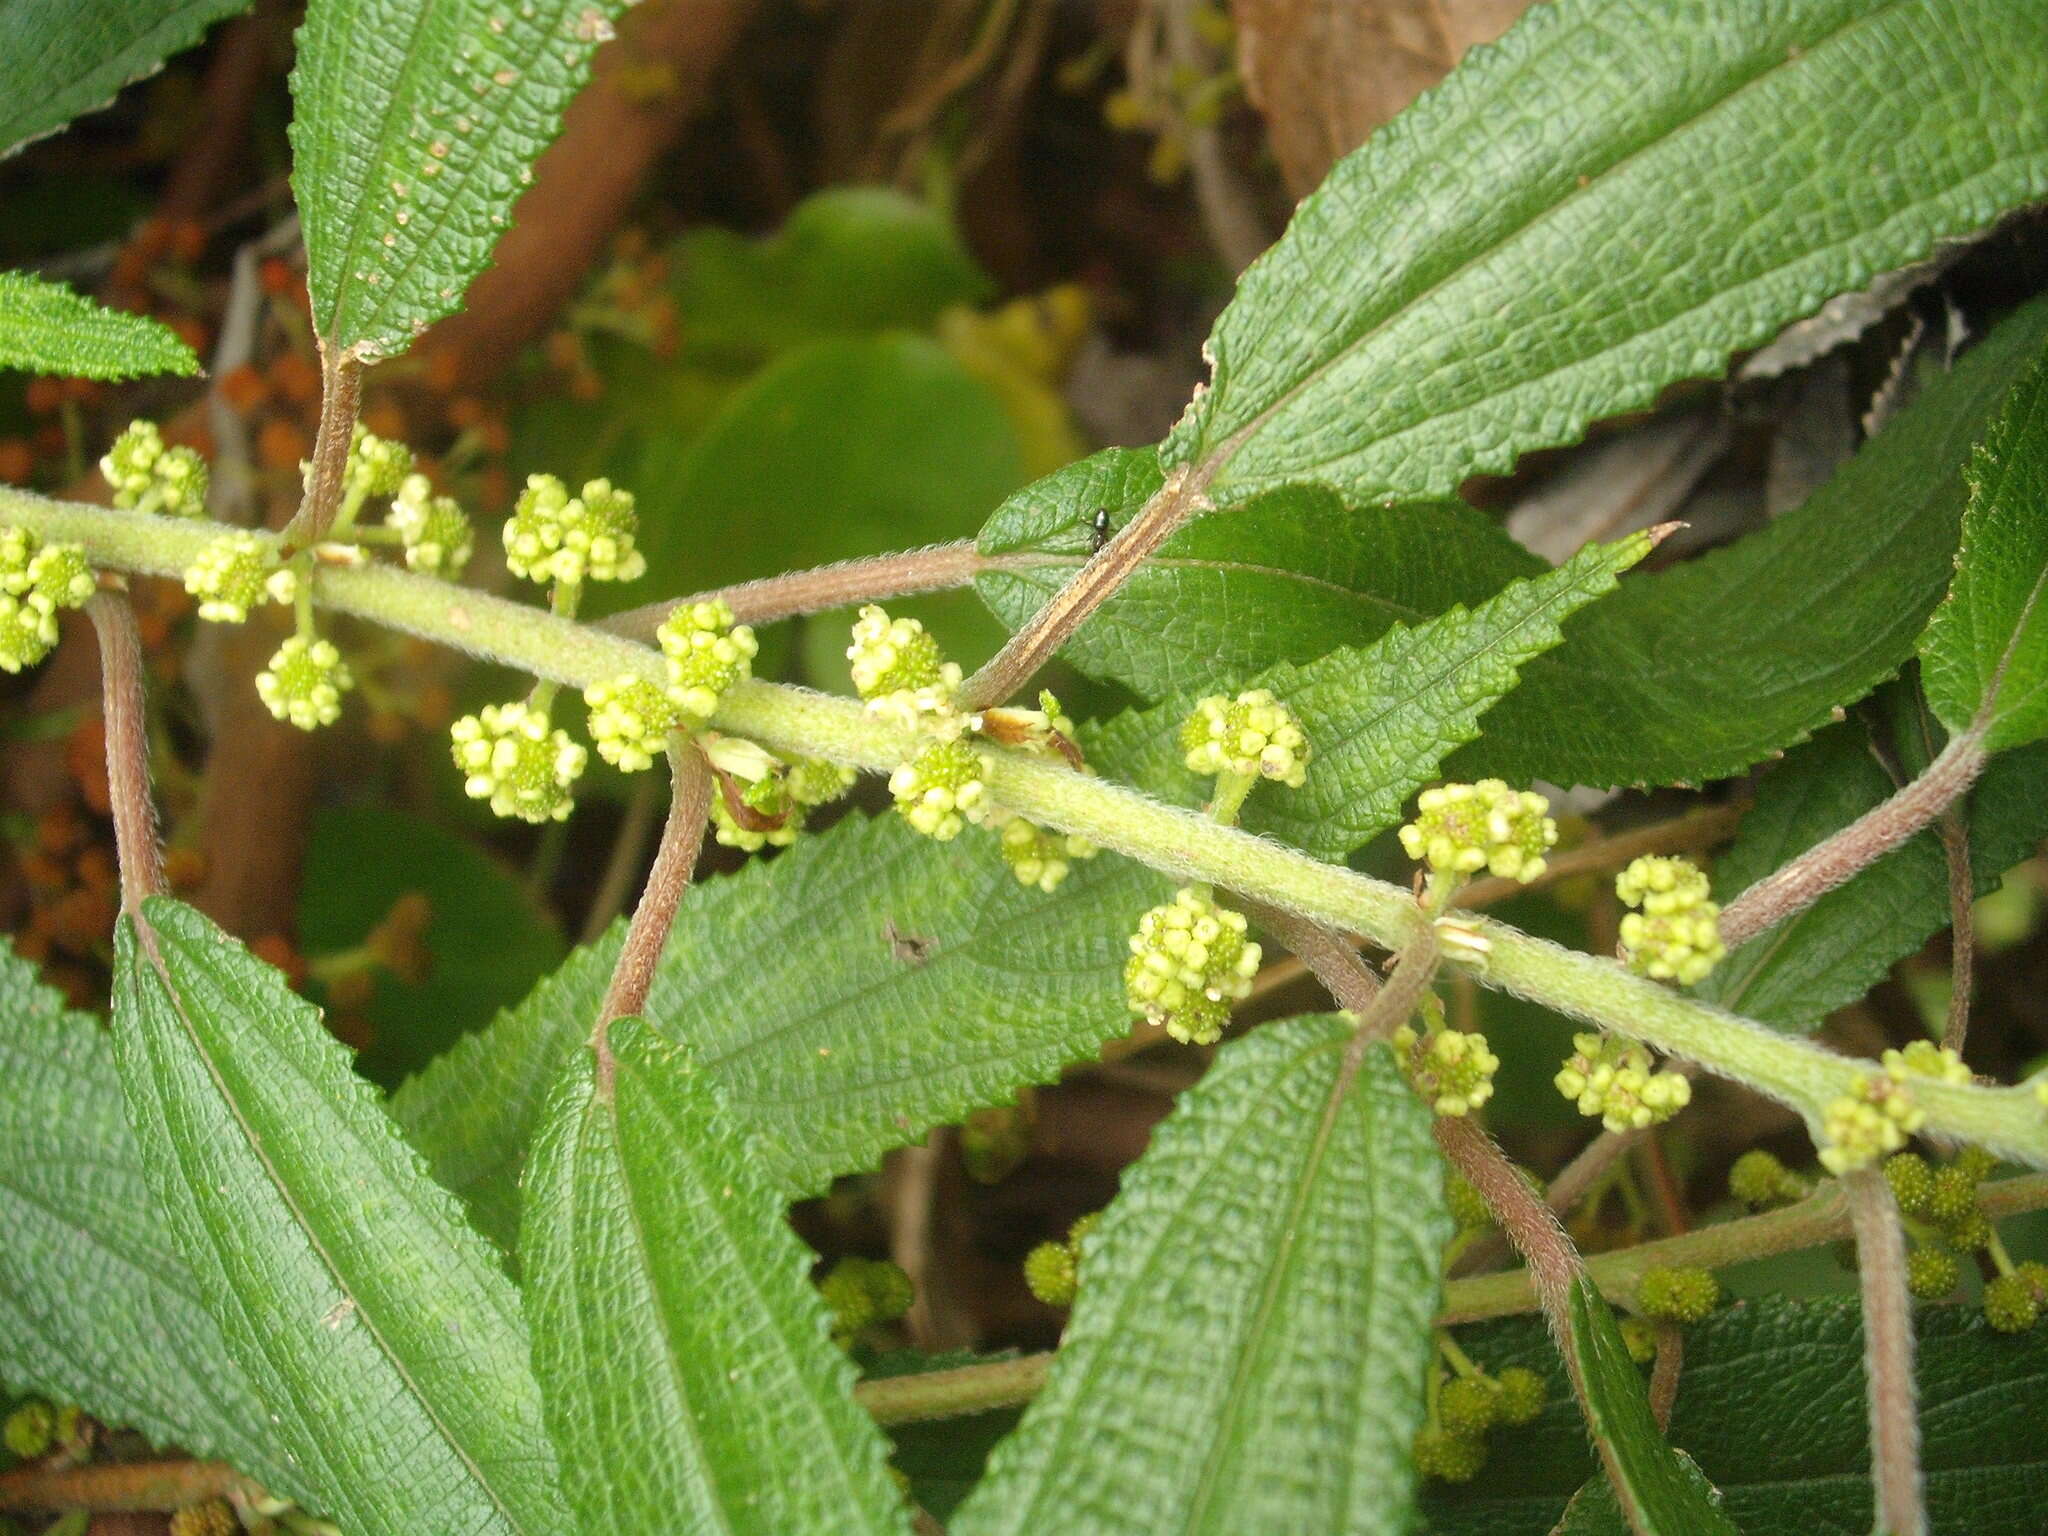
point(1660, 1494)
point(46, 328)
point(845, 996)
point(1289, 576)
point(60, 58)
point(1986, 648)
point(94, 1308)
point(1771, 1405)
point(1818, 960)
point(1476, 282)
point(416, 124)
point(383, 1340)
point(686, 1359)
point(1380, 720)
point(1701, 670)
point(1252, 1333)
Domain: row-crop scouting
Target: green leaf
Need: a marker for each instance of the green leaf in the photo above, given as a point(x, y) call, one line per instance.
point(46, 328)
point(1252, 1334)
point(846, 996)
point(1845, 943)
point(416, 124)
point(1380, 720)
point(383, 1340)
point(1662, 1496)
point(1287, 577)
point(486, 942)
point(1986, 648)
point(1669, 183)
point(1771, 1406)
point(1699, 671)
point(690, 1377)
point(60, 58)
point(847, 261)
point(95, 1308)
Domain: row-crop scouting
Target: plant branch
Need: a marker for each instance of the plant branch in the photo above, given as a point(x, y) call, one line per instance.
point(125, 1485)
point(1887, 1353)
point(1530, 1225)
point(341, 393)
point(939, 568)
point(140, 849)
point(952, 1394)
point(1048, 629)
point(1664, 1372)
point(1794, 1070)
point(1962, 897)
point(1862, 843)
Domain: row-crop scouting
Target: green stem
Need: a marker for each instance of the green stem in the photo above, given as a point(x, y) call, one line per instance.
point(2007, 1120)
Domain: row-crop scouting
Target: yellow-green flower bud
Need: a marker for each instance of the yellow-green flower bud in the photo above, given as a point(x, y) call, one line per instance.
point(1052, 1274)
point(1923, 1058)
point(234, 573)
point(707, 655)
point(509, 754)
point(1677, 1295)
point(1760, 1181)
point(31, 1429)
point(1931, 1273)
point(1451, 1069)
point(1522, 1395)
point(1468, 1405)
point(1861, 1126)
point(377, 466)
point(2013, 1302)
point(36, 580)
point(1252, 734)
point(1612, 1078)
point(1038, 857)
point(304, 683)
point(149, 477)
point(942, 789)
point(553, 536)
point(897, 667)
point(1447, 1457)
point(434, 529)
point(1677, 934)
point(1912, 1182)
point(61, 573)
point(1189, 962)
point(1461, 829)
point(630, 720)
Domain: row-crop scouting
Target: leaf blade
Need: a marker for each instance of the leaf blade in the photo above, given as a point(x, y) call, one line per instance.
point(336, 1270)
point(1270, 1172)
point(46, 328)
point(674, 1328)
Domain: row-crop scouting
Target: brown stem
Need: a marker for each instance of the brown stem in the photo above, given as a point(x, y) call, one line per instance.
point(939, 568)
point(124, 1485)
point(1048, 629)
point(1887, 1353)
point(1865, 840)
point(1664, 1372)
point(135, 834)
point(1962, 896)
point(1530, 1225)
point(674, 861)
point(341, 393)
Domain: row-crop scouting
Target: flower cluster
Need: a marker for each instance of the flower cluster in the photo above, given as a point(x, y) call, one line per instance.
point(150, 477)
point(1452, 1069)
point(2014, 1301)
point(942, 788)
point(1611, 1077)
point(1190, 960)
point(1252, 734)
point(1863, 1125)
point(897, 668)
point(630, 720)
point(434, 529)
point(1451, 1447)
point(707, 654)
point(1676, 936)
point(1038, 857)
point(1763, 1183)
point(509, 754)
point(36, 580)
point(1943, 1216)
point(1923, 1058)
point(1052, 1270)
point(553, 536)
point(304, 683)
point(377, 466)
point(1046, 729)
point(234, 573)
point(1461, 829)
point(776, 795)
point(1679, 1294)
point(860, 1293)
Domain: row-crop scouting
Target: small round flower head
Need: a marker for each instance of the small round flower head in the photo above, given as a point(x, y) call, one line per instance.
point(1923, 1058)
point(1760, 1181)
point(31, 1429)
point(234, 573)
point(1464, 828)
point(1038, 857)
point(1052, 1274)
point(630, 720)
point(1974, 1164)
point(1611, 1077)
point(862, 1292)
point(553, 536)
point(1861, 1126)
point(813, 782)
point(1522, 1395)
point(1253, 733)
point(28, 628)
point(377, 466)
point(2013, 1303)
point(897, 668)
point(1452, 1070)
point(1189, 962)
point(1912, 1182)
point(18, 548)
point(509, 753)
point(1677, 935)
point(1931, 1273)
point(1679, 1294)
point(304, 683)
point(1447, 1457)
point(436, 533)
point(942, 789)
point(36, 580)
point(61, 573)
point(1468, 1405)
point(707, 654)
point(1951, 1196)
point(150, 477)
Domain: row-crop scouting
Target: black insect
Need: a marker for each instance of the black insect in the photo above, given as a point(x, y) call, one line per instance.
point(1099, 529)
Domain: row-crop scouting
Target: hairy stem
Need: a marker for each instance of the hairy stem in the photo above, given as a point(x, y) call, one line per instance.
point(1664, 1372)
point(950, 1394)
point(1048, 629)
point(939, 568)
point(1887, 1353)
point(1530, 1225)
point(1857, 846)
point(1795, 1071)
point(117, 1486)
point(136, 841)
point(1962, 897)
point(341, 393)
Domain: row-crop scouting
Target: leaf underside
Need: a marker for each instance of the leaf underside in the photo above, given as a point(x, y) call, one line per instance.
point(46, 328)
